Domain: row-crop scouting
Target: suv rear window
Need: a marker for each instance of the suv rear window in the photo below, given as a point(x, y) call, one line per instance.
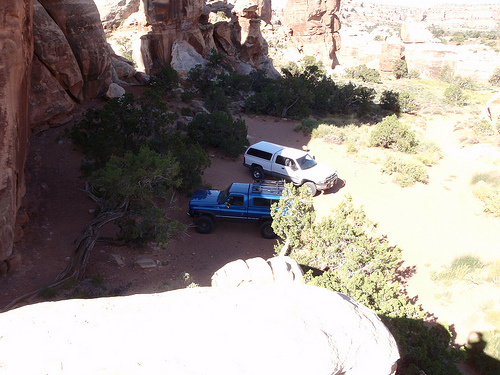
point(259, 153)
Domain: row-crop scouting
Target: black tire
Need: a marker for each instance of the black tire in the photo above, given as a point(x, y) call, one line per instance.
point(311, 188)
point(266, 230)
point(204, 224)
point(257, 172)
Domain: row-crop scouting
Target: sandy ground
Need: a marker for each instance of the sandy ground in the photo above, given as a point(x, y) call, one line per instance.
point(432, 223)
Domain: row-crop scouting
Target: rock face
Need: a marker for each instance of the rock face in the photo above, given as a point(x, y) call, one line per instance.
point(293, 329)
point(177, 25)
point(16, 51)
point(314, 28)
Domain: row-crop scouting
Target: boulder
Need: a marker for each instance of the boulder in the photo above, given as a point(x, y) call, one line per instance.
point(415, 32)
point(53, 50)
point(288, 329)
point(114, 91)
point(81, 25)
point(185, 58)
point(16, 51)
point(49, 102)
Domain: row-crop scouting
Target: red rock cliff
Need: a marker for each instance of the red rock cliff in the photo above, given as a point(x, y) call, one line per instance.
point(16, 50)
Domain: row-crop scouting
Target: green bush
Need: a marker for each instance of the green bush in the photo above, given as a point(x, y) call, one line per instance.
point(389, 100)
point(390, 133)
point(400, 69)
point(407, 171)
point(126, 124)
point(219, 130)
point(454, 95)
point(363, 73)
point(483, 127)
point(446, 74)
point(428, 152)
point(495, 77)
point(165, 80)
point(413, 74)
point(351, 258)
point(407, 102)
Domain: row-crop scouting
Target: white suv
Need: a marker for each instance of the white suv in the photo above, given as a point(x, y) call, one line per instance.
point(290, 164)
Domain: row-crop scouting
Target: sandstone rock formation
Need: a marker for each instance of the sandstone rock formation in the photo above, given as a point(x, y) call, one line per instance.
point(314, 28)
point(294, 329)
point(256, 271)
point(16, 51)
point(176, 26)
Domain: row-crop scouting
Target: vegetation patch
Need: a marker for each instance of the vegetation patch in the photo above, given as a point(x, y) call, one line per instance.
point(351, 258)
point(406, 171)
point(486, 187)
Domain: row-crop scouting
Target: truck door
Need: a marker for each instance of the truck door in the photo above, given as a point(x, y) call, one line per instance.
point(286, 168)
point(234, 207)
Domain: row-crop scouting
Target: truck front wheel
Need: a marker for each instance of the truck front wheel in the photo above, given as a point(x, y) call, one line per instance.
point(266, 230)
point(204, 224)
point(311, 188)
point(257, 172)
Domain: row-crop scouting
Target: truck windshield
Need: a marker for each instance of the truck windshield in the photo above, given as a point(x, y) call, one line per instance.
point(306, 162)
point(223, 195)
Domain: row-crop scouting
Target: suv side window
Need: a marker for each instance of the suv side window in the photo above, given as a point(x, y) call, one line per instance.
point(259, 153)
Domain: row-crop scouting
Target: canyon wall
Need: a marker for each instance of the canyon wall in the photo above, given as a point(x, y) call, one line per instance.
point(16, 50)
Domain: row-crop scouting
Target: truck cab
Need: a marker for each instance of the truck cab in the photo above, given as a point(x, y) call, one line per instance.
point(238, 202)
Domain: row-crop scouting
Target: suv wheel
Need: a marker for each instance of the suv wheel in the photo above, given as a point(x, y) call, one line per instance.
point(266, 230)
point(257, 173)
point(311, 188)
point(204, 224)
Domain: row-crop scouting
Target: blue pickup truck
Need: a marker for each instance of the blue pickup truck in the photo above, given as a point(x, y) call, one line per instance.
point(239, 202)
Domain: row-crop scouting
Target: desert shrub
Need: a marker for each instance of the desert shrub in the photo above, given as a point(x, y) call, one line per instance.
point(406, 172)
point(458, 38)
point(350, 134)
point(363, 73)
point(216, 100)
point(483, 127)
point(428, 152)
point(466, 83)
point(138, 181)
point(165, 80)
point(454, 95)
point(495, 77)
point(389, 100)
point(307, 125)
point(413, 74)
point(349, 98)
point(400, 69)
point(390, 133)
point(407, 102)
point(126, 124)
point(358, 262)
point(399, 102)
point(486, 187)
point(219, 130)
point(446, 74)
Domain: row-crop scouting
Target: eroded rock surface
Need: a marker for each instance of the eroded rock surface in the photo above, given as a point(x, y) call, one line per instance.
point(288, 329)
point(16, 50)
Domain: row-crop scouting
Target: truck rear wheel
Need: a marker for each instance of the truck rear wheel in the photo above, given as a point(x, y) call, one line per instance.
point(257, 172)
point(266, 230)
point(311, 188)
point(204, 224)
